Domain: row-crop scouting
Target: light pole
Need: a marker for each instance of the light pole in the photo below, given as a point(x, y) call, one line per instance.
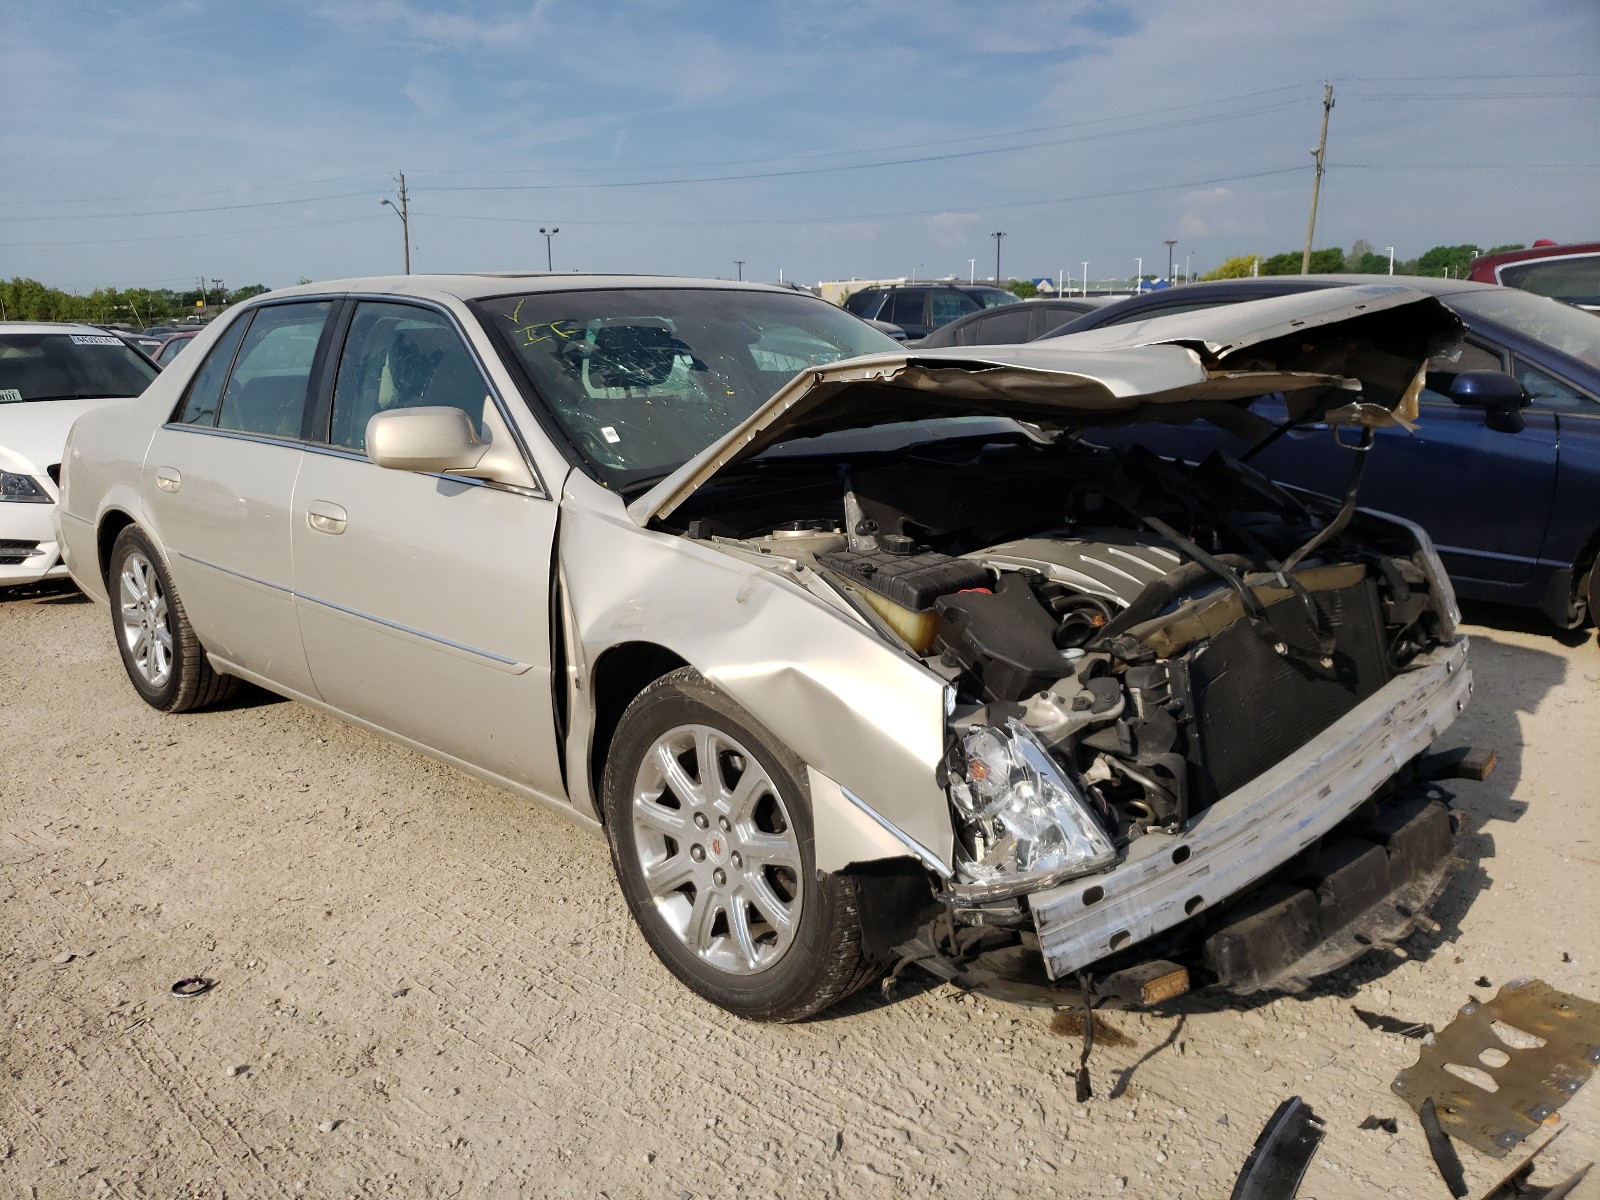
point(1086, 279)
point(1138, 275)
point(739, 262)
point(402, 211)
point(1390, 249)
point(1186, 266)
point(972, 271)
point(1169, 243)
point(997, 235)
point(548, 234)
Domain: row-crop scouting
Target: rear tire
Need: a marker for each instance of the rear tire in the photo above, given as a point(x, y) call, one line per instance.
point(164, 659)
point(710, 825)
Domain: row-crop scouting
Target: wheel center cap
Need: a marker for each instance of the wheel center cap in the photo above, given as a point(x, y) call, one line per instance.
point(717, 849)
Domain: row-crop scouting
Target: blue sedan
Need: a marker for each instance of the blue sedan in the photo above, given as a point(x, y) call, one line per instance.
point(1505, 478)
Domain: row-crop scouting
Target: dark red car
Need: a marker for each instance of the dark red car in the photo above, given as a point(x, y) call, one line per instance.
point(1570, 272)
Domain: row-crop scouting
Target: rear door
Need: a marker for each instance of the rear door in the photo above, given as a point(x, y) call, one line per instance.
point(219, 477)
point(424, 600)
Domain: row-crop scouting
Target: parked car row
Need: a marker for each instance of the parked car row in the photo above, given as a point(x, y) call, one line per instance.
point(856, 655)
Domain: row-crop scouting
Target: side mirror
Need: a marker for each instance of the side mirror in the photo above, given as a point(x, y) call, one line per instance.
point(433, 440)
point(1501, 397)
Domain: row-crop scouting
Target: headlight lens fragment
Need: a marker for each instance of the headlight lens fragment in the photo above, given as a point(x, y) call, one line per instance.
point(1024, 817)
point(21, 489)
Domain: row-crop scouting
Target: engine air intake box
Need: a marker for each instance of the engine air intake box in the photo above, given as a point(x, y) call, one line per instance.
point(913, 581)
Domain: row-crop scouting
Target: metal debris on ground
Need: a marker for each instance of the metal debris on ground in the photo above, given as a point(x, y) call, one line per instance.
point(1279, 1159)
point(193, 986)
point(1443, 1150)
point(1384, 1023)
point(1546, 1046)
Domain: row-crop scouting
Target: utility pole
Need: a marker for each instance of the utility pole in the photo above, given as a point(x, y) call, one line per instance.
point(997, 235)
point(205, 297)
point(1169, 243)
point(739, 262)
point(404, 213)
point(972, 271)
point(548, 234)
point(1320, 154)
point(222, 292)
point(1086, 280)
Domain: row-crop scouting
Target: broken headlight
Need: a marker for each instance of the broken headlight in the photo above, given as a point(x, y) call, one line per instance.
point(1027, 826)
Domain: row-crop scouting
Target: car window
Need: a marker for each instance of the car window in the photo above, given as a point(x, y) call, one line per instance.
point(1004, 326)
point(400, 356)
point(859, 302)
point(1547, 392)
point(1465, 355)
point(1569, 330)
point(1575, 280)
point(908, 306)
point(69, 366)
point(641, 381)
point(948, 305)
point(201, 398)
point(1169, 310)
point(266, 392)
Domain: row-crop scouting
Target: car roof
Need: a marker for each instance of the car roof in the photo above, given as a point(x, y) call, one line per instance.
point(1535, 252)
point(482, 285)
point(38, 327)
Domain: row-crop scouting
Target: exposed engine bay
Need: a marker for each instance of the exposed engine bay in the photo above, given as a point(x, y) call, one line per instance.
point(1136, 634)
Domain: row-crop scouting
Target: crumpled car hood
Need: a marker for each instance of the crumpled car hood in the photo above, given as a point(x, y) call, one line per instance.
point(1362, 349)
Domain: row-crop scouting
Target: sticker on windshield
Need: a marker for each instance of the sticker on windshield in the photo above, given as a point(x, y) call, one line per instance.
point(10, 396)
point(95, 339)
point(609, 434)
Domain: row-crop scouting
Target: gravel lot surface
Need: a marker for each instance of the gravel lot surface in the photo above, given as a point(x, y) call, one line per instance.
point(426, 988)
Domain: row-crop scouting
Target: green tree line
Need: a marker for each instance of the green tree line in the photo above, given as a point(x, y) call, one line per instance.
point(30, 300)
point(1362, 259)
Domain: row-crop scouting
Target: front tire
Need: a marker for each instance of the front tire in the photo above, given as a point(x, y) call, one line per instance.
point(164, 659)
point(710, 825)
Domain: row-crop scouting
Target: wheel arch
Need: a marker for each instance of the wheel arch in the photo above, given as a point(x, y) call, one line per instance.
point(112, 523)
point(619, 675)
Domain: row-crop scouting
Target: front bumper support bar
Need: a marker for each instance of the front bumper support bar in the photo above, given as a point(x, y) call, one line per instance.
point(1168, 878)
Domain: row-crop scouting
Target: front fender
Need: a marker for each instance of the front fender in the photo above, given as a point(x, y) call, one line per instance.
point(861, 713)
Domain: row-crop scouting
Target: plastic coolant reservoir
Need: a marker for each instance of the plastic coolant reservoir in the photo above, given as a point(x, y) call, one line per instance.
point(915, 629)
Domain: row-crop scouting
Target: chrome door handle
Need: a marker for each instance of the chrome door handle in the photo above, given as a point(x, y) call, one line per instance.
point(168, 479)
point(325, 517)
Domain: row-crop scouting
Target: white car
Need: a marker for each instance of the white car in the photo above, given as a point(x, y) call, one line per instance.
point(857, 655)
point(50, 375)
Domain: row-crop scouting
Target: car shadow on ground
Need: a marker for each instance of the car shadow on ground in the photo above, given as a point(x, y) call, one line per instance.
point(1522, 620)
point(51, 592)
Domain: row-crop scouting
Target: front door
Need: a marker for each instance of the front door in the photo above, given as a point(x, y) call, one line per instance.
point(424, 600)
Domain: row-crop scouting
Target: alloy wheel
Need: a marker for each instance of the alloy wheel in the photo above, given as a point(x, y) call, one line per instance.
point(718, 852)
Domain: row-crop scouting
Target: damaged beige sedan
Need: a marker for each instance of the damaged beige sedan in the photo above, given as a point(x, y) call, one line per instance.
point(859, 658)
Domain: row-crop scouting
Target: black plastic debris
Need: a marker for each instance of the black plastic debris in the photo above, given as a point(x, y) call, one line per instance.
point(1387, 1124)
point(1384, 1023)
point(1443, 1150)
point(193, 986)
point(1279, 1159)
point(1482, 981)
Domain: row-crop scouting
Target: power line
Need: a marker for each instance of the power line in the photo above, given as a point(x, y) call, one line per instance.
point(172, 212)
point(191, 237)
point(900, 162)
point(987, 206)
point(190, 193)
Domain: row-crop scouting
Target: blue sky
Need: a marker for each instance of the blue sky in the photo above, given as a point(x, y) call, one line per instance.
point(145, 145)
